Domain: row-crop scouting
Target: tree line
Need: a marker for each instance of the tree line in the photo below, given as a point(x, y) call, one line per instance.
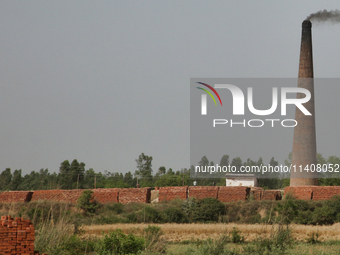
point(74, 176)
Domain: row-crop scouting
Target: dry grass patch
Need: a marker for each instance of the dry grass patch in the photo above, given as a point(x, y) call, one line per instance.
point(181, 232)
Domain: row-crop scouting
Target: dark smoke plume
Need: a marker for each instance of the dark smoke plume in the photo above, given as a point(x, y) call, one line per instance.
point(325, 16)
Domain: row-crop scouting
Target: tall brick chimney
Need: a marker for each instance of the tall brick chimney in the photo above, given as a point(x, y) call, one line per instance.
point(304, 143)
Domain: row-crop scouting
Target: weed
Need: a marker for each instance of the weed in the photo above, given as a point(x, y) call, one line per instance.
point(235, 236)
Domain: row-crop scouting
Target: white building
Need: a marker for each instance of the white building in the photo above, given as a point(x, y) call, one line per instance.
point(248, 180)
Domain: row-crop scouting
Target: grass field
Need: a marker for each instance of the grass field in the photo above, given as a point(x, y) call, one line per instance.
point(181, 232)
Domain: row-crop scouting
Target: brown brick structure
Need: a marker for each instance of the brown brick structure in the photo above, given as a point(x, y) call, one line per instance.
point(313, 192)
point(304, 141)
point(200, 192)
point(231, 194)
point(256, 192)
point(261, 194)
point(15, 196)
point(271, 195)
point(16, 236)
point(106, 195)
point(57, 195)
point(140, 195)
point(171, 193)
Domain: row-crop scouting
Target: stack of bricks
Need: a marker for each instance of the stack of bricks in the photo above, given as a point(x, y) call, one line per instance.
point(231, 194)
point(304, 193)
point(325, 192)
point(313, 192)
point(106, 195)
point(271, 195)
point(16, 236)
point(171, 193)
point(200, 192)
point(256, 192)
point(15, 196)
point(139, 195)
point(67, 196)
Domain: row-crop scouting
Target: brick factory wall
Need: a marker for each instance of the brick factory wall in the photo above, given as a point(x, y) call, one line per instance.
point(15, 196)
point(200, 192)
point(171, 193)
point(325, 192)
point(230, 194)
point(313, 192)
point(271, 195)
point(68, 196)
point(256, 192)
point(113, 195)
point(261, 194)
point(16, 236)
point(140, 195)
point(106, 195)
point(304, 193)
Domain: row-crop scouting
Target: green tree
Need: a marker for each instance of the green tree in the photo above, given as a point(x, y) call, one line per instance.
point(204, 161)
point(224, 161)
point(69, 174)
point(86, 202)
point(16, 180)
point(65, 179)
point(144, 170)
point(5, 179)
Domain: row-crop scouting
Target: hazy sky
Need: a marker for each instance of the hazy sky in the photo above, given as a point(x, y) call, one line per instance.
point(104, 81)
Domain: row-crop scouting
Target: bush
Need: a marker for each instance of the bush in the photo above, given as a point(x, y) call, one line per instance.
point(287, 210)
point(208, 209)
point(278, 242)
point(324, 215)
point(86, 202)
point(152, 239)
point(101, 220)
point(75, 246)
point(116, 242)
point(235, 236)
point(313, 238)
point(117, 208)
point(175, 215)
point(149, 215)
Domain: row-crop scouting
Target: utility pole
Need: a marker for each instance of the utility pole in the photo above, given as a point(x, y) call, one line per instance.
point(95, 180)
point(78, 182)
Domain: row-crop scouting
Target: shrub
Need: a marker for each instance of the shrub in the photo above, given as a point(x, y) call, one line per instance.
point(235, 236)
point(116, 242)
point(149, 215)
point(132, 218)
point(278, 242)
point(86, 202)
point(324, 215)
point(215, 247)
point(313, 238)
point(101, 220)
point(74, 245)
point(117, 208)
point(208, 209)
point(287, 210)
point(175, 215)
point(152, 239)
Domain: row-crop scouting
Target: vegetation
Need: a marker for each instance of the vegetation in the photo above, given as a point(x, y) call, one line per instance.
point(74, 175)
point(87, 203)
point(60, 227)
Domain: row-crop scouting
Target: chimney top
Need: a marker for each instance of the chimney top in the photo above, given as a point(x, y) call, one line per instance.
point(306, 23)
